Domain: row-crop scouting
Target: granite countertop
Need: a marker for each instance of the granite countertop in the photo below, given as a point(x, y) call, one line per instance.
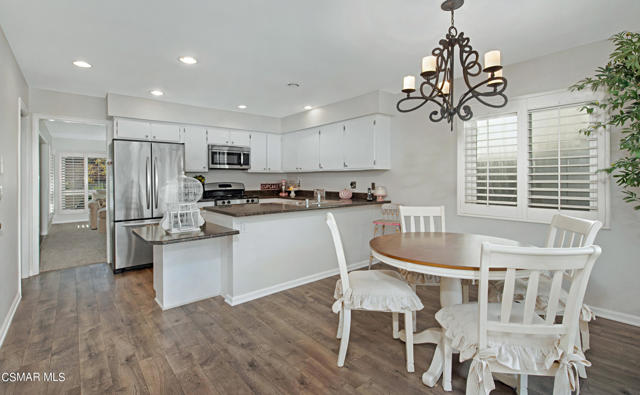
point(154, 234)
point(286, 205)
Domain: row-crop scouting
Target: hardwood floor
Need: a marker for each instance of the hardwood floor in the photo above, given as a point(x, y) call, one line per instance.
point(107, 335)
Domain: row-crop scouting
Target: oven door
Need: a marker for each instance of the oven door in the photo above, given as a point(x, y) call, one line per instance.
point(226, 157)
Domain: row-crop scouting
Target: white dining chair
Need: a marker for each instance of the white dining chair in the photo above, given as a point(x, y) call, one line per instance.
point(416, 219)
point(509, 337)
point(372, 290)
point(564, 232)
point(390, 219)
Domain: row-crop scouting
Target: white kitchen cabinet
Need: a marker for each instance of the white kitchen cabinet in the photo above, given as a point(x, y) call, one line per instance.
point(196, 152)
point(382, 142)
point(308, 151)
point(132, 129)
point(218, 136)
point(290, 152)
point(240, 138)
point(274, 152)
point(358, 143)
point(330, 143)
point(165, 132)
point(258, 152)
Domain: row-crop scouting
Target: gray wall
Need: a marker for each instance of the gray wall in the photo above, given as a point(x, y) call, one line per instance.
point(424, 172)
point(13, 85)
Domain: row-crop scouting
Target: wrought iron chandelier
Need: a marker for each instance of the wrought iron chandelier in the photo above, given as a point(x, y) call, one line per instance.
point(437, 73)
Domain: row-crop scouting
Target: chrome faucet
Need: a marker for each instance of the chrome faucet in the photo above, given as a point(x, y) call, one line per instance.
point(319, 194)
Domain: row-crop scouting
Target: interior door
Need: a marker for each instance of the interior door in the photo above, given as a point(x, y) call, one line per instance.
point(167, 165)
point(132, 180)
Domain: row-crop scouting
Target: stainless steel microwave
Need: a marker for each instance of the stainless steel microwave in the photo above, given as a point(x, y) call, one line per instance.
point(229, 157)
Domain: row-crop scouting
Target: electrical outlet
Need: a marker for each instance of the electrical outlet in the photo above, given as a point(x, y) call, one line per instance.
point(353, 185)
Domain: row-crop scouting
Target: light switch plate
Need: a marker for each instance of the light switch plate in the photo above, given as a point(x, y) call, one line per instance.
point(1, 164)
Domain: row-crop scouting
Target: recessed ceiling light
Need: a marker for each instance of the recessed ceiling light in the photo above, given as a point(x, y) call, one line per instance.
point(52, 120)
point(242, 106)
point(157, 92)
point(188, 59)
point(308, 107)
point(81, 64)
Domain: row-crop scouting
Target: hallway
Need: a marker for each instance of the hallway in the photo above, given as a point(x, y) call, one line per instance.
point(70, 245)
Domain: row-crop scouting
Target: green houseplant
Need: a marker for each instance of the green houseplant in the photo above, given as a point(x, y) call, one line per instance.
point(619, 79)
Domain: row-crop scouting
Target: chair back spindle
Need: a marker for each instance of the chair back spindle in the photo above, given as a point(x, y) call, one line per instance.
point(569, 232)
point(414, 213)
point(534, 261)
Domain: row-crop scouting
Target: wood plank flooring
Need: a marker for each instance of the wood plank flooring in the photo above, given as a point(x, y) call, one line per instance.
point(107, 335)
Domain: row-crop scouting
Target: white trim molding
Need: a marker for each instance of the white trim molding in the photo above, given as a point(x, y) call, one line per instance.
point(239, 299)
point(618, 316)
point(9, 318)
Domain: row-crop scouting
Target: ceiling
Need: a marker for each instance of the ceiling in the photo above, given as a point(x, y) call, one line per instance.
point(75, 130)
point(248, 50)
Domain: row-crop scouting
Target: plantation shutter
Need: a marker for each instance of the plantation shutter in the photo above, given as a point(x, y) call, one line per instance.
point(491, 159)
point(562, 161)
point(72, 183)
point(52, 172)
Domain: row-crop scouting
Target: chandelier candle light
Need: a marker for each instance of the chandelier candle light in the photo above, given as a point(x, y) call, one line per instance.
point(437, 73)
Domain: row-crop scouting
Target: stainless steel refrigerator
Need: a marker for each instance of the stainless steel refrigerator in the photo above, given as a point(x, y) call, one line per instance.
point(140, 169)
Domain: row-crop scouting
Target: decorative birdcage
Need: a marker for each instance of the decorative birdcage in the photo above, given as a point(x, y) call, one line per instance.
point(182, 213)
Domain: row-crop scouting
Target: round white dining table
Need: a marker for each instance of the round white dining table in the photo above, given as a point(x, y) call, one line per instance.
point(451, 256)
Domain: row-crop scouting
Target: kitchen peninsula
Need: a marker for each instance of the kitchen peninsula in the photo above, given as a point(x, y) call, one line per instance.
point(283, 243)
point(186, 266)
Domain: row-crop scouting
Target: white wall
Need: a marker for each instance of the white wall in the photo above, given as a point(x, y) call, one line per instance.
point(71, 105)
point(424, 172)
point(155, 110)
point(13, 86)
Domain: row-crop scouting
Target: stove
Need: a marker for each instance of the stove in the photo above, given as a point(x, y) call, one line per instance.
point(226, 194)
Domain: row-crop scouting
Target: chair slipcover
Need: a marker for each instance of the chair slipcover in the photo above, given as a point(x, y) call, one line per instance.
point(377, 290)
point(524, 352)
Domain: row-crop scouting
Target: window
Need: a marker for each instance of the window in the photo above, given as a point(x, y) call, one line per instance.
point(52, 176)
point(80, 175)
point(97, 173)
point(72, 192)
point(531, 162)
point(491, 157)
point(562, 163)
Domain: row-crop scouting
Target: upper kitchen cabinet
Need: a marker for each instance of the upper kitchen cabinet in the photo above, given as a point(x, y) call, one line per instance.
point(274, 152)
point(366, 143)
point(240, 138)
point(300, 151)
point(196, 152)
point(142, 130)
point(219, 136)
point(258, 152)
point(165, 132)
point(266, 153)
point(357, 141)
point(330, 143)
point(132, 129)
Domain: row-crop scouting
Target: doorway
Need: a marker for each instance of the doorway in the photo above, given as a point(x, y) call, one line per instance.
point(73, 193)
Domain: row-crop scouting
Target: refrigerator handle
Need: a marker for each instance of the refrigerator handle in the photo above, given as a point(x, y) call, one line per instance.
point(155, 181)
point(148, 182)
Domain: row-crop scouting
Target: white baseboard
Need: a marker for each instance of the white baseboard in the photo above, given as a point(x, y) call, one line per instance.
point(236, 300)
point(184, 302)
point(7, 320)
point(616, 316)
